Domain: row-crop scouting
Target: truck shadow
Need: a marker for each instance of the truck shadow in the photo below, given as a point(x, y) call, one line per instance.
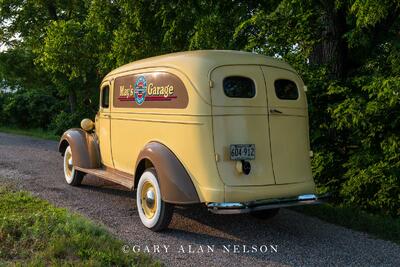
point(293, 233)
point(197, 220)
point(202, 228)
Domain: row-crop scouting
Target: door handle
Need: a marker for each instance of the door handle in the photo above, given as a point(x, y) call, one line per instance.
point(107, 115)
point(276, 111)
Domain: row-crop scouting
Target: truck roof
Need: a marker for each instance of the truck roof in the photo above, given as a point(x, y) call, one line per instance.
point(202, 60)
point(198, 65)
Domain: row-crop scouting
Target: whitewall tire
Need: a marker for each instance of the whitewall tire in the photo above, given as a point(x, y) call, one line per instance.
point(154, 213)
point(72, 176)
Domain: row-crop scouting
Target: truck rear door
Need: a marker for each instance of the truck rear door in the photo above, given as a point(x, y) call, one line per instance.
point(240, 117)
point(288, 125)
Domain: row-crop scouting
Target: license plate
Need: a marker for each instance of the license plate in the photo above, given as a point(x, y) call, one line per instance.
point(243, 152)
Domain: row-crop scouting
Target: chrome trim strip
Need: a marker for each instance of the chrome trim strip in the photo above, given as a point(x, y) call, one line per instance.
point(307, 197)
point(226, 205)
point(160, 121)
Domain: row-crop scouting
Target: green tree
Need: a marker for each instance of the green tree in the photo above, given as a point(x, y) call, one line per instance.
point(26, 24)
point(348, 53)
point(70, 58)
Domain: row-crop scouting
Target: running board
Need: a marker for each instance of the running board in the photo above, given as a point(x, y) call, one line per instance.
point(118, 177)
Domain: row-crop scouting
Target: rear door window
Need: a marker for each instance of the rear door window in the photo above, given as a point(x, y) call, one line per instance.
point(239, 87)
point(286, 89)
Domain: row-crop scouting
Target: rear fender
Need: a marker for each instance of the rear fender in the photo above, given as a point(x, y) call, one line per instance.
point(175, 183)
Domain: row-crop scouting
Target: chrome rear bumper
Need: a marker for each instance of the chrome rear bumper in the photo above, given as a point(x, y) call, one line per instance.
point(238, 207)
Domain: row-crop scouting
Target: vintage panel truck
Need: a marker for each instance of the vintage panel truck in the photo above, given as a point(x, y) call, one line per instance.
point(225, 128)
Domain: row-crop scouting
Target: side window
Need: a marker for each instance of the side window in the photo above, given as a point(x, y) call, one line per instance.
point(286, 89)
point(239, 87)
point(105, 96)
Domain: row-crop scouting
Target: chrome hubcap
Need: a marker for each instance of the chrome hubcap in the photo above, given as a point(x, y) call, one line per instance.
point(148, 199)
point(68, 163)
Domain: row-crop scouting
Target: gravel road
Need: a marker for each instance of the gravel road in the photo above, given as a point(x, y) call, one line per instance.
point(195, 237)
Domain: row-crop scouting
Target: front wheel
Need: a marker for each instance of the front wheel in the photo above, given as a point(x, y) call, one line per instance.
point(72, 176)
point(154, 213)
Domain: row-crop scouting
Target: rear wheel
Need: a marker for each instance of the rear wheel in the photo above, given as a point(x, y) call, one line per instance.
point(72, 176)
point(154, 213)
point(265, 214)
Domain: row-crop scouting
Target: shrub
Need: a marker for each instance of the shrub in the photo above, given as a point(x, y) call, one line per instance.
point(28, 108)
point(64, 121)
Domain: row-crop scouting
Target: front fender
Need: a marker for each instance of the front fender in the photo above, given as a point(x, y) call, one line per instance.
point(84, 146)
point(175, 183)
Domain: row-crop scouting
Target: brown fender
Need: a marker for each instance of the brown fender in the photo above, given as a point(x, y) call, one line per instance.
point(84, 146)
point(175, 183)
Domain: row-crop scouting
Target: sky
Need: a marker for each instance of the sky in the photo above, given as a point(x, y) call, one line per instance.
point(3, 47)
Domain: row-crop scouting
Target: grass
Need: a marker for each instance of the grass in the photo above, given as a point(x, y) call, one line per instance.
point(35, 233)
point(383, 227)
point(39, 133)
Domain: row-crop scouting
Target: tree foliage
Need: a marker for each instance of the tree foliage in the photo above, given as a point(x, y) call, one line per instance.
point(347, 51)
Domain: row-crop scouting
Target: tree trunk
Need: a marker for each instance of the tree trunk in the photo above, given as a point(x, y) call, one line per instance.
point(51, 8)
point(72, 101)
point(332, 48)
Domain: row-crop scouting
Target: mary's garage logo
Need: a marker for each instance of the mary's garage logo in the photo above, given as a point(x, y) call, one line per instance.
point(150, 90)
point(140, 90)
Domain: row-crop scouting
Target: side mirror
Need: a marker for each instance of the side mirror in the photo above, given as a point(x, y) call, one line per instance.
point(87, 125)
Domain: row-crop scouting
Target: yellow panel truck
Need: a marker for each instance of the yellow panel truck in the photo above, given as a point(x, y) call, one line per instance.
point(228, 129)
